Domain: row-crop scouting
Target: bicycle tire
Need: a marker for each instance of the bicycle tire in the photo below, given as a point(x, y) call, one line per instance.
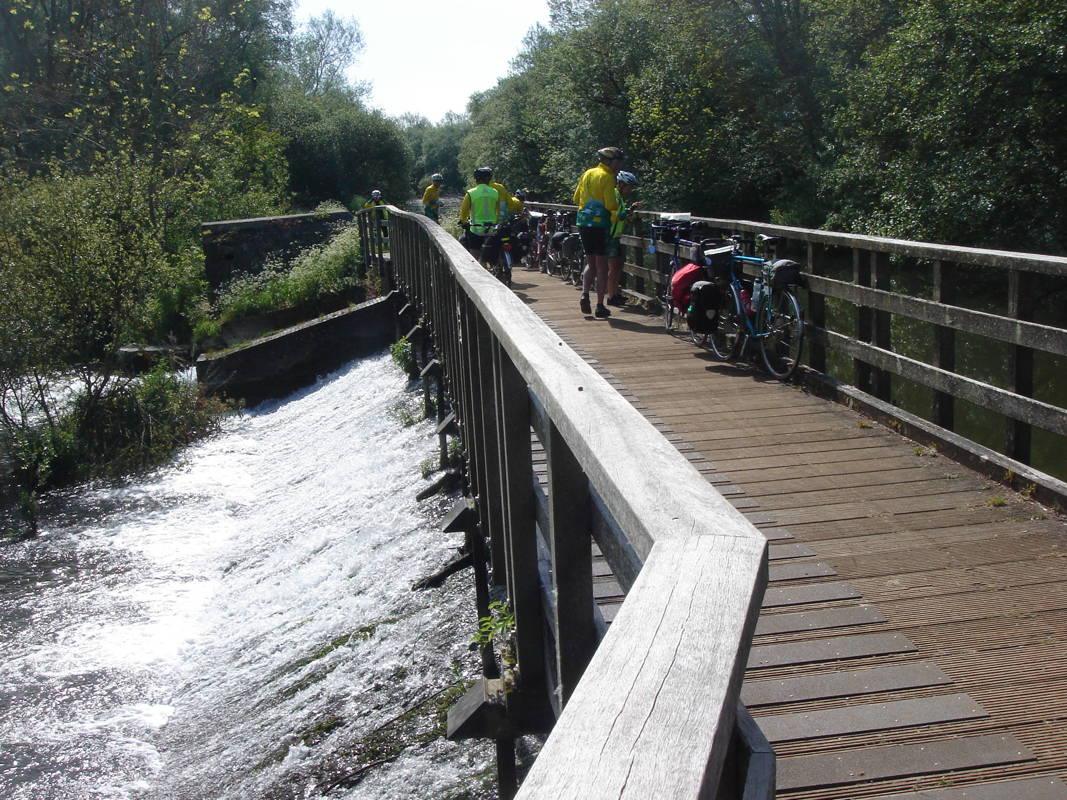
point(780, 329)
point(725, 340)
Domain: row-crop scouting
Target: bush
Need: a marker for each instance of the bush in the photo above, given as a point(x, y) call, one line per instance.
point(404, 356)
point(128, 427)
point(319, 272)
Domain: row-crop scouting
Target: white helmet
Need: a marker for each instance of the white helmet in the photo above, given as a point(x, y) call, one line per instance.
point(437, 177)
point(376, 195)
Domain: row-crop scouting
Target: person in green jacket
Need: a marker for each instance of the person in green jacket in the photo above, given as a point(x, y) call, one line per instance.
point(626, 185)
point(598, 209)
point(479, 212)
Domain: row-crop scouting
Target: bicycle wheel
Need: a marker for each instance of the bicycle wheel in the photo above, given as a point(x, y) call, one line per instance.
point(725, 340)
point(780, 329)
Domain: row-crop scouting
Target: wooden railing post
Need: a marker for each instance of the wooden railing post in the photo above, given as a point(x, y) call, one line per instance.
point(529, 703)
point(882, 388)
point(944, 410)
point(487, 434)
point(816, 311)
point(572, 563)
point(1021, 362)
point(861, 276)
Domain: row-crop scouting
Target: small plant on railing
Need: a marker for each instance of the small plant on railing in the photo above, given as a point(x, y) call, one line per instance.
point(498, 629)
point(404, 356)
point(455, 452)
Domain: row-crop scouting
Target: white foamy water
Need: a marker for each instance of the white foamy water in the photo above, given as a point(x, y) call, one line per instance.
point(235, 625)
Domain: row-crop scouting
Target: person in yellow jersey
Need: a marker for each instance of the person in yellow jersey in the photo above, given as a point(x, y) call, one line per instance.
point(598, 209)
point(479, 212)
point(509, 204)
point(625, 186)
point(374, 201)
point(431, 198)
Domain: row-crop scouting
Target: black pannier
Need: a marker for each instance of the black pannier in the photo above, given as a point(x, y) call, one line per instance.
point(785, 273)
point(556, 243)
point(718, 261)
point(570, 245)
point(702, 314)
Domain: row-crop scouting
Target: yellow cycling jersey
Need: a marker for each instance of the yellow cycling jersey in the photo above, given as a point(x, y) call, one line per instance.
point(596, 198)
point(432, 195)
point(374, 203)
point(509, 204)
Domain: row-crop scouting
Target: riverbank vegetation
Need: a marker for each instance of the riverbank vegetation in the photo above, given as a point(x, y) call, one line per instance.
point(123, 126)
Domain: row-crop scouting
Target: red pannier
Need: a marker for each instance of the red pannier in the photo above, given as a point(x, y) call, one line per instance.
point(682, 282)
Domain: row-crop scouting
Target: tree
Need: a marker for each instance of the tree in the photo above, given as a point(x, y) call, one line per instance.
point(322, 52)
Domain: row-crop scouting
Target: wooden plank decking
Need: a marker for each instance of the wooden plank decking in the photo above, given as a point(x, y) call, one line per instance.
point(912, 642)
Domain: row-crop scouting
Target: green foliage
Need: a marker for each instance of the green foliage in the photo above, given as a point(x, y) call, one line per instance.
point(435, 148)
point(404, 356)
point(337, 148)
point(106, 431)
point(936, 119)
point(319, 272)
point(498, 626)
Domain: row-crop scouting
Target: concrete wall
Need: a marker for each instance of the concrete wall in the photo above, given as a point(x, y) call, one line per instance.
point(275, 365)
point(243, 245)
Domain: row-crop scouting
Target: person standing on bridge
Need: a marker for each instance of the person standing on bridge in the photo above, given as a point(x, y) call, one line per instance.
point(508, 203)
point(431, 198)
point(479, 212)
point(598, 209)
point(626, 185)
point(383, 215)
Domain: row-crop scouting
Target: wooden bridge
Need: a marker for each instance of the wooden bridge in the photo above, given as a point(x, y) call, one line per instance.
point(893, 620)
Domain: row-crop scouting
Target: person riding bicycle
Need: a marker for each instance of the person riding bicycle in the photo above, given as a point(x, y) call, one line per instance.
point(479, 212)
point(598, 209)
point(508, 203)
point(626, 185)
point(431, 198)
point(383, 215)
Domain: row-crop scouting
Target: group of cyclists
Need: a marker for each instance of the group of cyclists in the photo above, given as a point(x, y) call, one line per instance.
point(603, 198)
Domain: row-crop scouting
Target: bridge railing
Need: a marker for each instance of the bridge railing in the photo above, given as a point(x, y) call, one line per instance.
point(650, 711)
point(931, 327)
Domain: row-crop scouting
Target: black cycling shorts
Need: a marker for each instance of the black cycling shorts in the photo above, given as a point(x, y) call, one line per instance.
point(594, 240)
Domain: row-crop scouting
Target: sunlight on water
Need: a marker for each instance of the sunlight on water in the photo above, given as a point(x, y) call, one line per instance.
point(236, 625)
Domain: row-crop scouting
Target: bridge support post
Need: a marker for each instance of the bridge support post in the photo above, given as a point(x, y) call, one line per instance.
point(944, 411)
point(861, 276)
point(883, 338)
point(1021, 362)
point(816, 310)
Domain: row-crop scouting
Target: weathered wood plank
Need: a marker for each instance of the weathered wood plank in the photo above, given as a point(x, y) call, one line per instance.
point(1045, 788)
point(862, 718)
point(774, 624)
point(812, 593)
point(891, 761)
point(827, 685)
point(834, 648)
point(659, 682)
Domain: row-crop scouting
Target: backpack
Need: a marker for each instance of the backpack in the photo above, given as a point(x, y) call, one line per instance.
point(703, 310)
point(682, 281)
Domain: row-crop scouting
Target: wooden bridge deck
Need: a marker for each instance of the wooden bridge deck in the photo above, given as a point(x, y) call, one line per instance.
point(913, 641)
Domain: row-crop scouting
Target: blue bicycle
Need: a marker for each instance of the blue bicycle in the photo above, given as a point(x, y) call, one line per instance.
point(764, 310)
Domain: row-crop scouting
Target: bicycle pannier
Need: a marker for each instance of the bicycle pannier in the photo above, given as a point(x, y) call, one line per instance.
point(785, 273)
point(702, 314)
point(681, 283)
point(570, 245)
point(718, 261)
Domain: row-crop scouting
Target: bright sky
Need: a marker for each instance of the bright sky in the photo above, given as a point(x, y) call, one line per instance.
point(421, 55)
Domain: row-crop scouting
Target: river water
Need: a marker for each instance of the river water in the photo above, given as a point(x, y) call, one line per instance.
point(240, 624)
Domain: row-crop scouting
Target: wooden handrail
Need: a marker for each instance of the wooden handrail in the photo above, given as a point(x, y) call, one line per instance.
point(653, 711)
point(869, 346)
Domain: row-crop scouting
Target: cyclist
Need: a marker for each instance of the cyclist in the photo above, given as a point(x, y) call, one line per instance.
point(626, 184)
point(431, 198)
point(508, 203)
point(479, 211)
point(383, 215)
point(598, 209)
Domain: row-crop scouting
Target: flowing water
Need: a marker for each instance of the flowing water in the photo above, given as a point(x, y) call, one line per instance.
point(241, 624)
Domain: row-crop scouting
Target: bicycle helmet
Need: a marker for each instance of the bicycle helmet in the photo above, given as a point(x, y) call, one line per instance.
point(376, 195)
point(483, 173)
point(520, 194)
point(437, 177)
point(626, 177)
point(609, 153)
